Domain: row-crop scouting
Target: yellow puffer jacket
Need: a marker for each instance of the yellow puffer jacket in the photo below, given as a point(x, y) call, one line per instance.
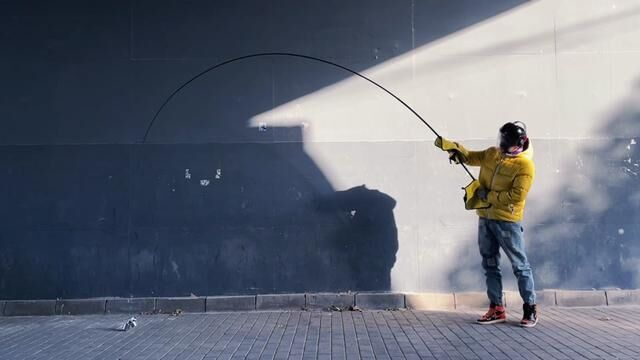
point(508, 179)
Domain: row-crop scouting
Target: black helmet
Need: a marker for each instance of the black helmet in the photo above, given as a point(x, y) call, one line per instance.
point(513, 134)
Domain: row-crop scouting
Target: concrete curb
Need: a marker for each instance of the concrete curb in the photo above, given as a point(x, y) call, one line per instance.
point(471, 300)
point(312, 301)
point(327, 300)
point(81, 306)
point(543, 298)
point(130, 306)
point(29, 307)
point(623, 297)
point(185, 304)
point(581, 298)
point(230, 303)
point(280, 302)
point(430, 301)
point(380, 301)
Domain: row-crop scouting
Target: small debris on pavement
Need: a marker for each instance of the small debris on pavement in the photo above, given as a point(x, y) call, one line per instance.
point(130, 323)
point(346, 308)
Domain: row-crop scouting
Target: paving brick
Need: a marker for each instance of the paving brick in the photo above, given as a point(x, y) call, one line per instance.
point(581, 298)
point(30, 307)
point(81, 306)
point(231, 303)
point(324, 301)
point(430, 301)
point(169, 305)
point(380, 301)
point(623, 297)
point(280, 302)
point(471, 300)
point(564, 333)
point(131, 306)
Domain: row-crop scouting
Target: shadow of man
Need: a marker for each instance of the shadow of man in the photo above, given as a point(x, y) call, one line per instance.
point(365, 237)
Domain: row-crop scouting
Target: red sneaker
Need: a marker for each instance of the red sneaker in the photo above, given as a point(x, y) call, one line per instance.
point(496, 314)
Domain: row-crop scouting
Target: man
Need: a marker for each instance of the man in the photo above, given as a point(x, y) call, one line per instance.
point(506, 175)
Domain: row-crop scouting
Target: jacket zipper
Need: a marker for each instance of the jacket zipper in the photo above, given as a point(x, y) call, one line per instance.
point(495, 171)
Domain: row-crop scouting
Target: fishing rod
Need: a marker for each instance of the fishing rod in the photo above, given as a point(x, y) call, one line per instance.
point(285, 54)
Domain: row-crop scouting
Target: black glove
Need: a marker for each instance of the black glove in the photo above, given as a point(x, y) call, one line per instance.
point(454, 156)
point(482, 194)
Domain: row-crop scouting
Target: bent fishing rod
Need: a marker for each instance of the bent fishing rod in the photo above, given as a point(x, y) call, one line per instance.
point(285, 54)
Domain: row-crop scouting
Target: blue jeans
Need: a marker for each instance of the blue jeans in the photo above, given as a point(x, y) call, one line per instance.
point(496, 234)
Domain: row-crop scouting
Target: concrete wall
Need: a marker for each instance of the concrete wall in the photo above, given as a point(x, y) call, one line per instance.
point(277, 174)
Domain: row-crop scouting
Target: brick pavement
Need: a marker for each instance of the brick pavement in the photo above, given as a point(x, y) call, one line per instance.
point(563, 333)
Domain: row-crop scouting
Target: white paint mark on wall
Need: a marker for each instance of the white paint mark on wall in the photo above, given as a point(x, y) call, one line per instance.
point(187, 174)
point(205, 182)
point(174, 265)
point(353, 213)
point(621, 231)
point(629, 160)
point(218, 174)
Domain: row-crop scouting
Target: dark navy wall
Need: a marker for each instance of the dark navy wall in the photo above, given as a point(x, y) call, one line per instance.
point(213, 205)
point(124, 220)
point(86, 213)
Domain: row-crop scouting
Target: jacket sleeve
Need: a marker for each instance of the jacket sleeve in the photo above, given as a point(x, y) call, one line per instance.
point(518, 191)
point(473, 158)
